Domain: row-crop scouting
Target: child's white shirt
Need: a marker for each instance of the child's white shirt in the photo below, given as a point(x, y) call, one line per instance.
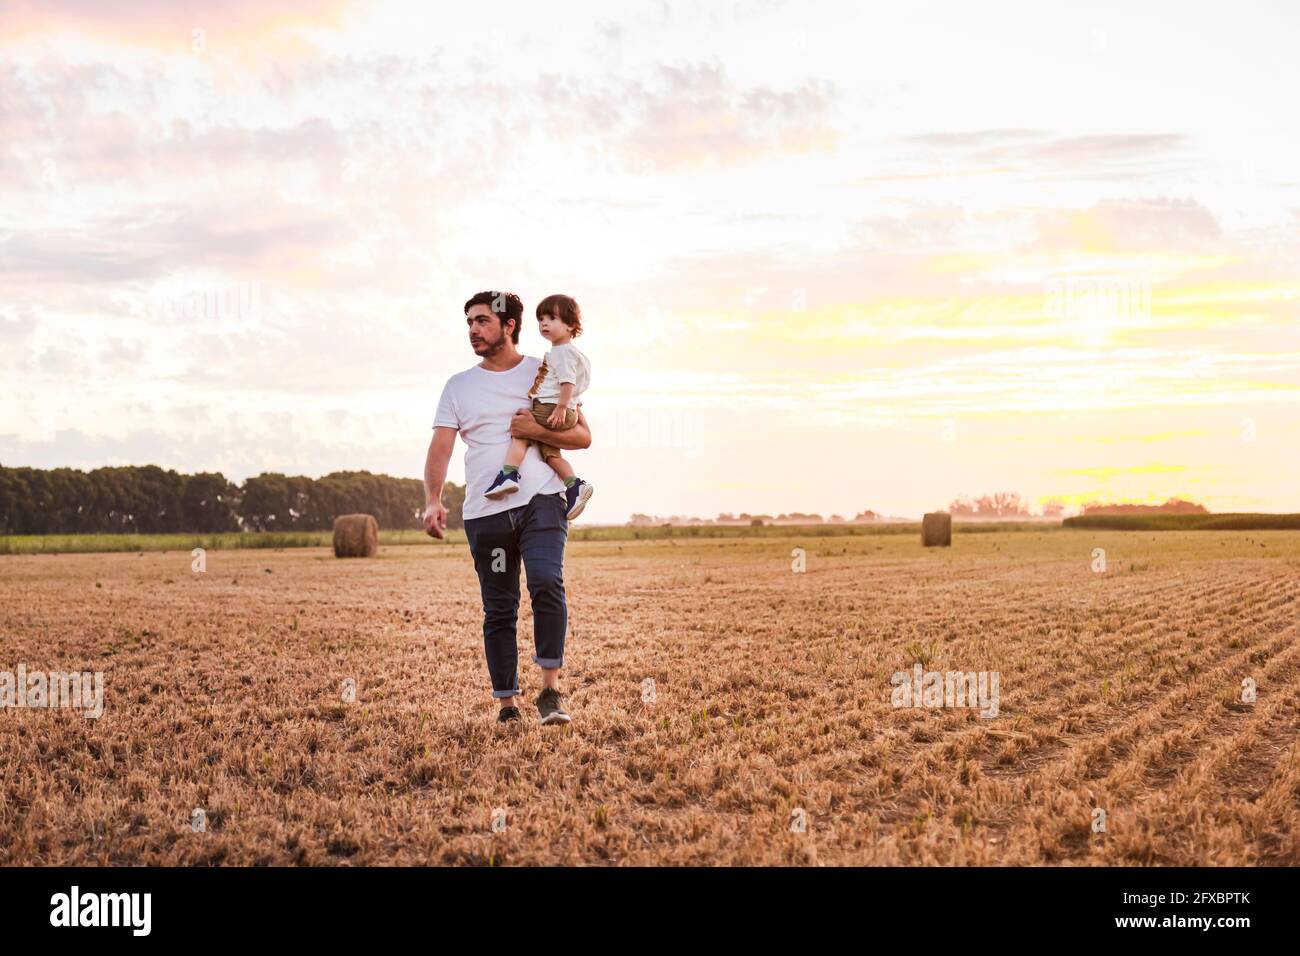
point(564, 363)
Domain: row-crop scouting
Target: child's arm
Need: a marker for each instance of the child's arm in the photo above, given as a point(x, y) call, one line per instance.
point(561, 406)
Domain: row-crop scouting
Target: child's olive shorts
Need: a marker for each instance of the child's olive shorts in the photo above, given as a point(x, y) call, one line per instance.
point(541, 412)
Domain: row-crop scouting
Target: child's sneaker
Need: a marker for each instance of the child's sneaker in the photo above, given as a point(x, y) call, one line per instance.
point(576, 497)
point(502, 485)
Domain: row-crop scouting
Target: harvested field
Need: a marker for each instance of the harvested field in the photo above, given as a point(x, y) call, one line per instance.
point(1119, 690)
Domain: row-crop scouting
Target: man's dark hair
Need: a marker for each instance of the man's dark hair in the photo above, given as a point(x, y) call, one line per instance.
point(506, 305)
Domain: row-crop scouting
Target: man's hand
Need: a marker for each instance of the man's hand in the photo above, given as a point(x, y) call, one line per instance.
point(435, 519)
point(523, 425)
point(556, 419)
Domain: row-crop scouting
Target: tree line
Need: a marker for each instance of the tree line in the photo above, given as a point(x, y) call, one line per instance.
point(1007, 504)
point(146, 499)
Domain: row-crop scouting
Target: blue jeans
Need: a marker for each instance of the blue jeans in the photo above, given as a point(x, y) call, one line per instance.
point(536, 534)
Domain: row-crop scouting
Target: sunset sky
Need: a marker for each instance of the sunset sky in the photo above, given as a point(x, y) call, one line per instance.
point(828, 259)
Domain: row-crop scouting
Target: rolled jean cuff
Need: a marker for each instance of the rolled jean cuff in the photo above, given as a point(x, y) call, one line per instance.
point(505, 693)
point(548, 662)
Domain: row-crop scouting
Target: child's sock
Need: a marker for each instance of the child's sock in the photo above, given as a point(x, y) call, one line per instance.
point(568, 482)
point(509, 469)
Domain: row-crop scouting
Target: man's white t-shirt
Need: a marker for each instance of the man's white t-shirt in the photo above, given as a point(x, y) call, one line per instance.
point(480, 405)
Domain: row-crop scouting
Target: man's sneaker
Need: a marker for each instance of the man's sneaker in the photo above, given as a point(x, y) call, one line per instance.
point(576, 497)
point(502, 485)
point(549, 709)
point(508, 715)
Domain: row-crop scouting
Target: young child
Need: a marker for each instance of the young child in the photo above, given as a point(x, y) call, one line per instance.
point(561, 379)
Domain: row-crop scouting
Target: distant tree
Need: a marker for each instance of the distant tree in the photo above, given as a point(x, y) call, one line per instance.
point(453, 499)
point(35, 501)
point(71, 503)
point(39, 505)
point(1002, 504)
point(209, 503)
point(961, 507)
point(265, 504)
point(9, 497)
point(142, 499)
point(21, 511)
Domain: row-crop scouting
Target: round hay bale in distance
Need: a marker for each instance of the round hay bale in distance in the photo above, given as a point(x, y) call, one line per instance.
point(936, 529)
point(356, 536)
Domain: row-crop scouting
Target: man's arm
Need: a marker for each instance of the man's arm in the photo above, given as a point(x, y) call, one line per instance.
point(435, 475)
point(523, 425)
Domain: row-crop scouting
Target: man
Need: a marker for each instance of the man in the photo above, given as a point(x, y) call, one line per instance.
point(479, 404)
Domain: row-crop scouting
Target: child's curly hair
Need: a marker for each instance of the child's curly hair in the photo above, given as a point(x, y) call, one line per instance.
point(564, 308)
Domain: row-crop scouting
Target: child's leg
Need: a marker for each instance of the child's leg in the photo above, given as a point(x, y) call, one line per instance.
point(518, 448)
point(507, 480)
point(560, 467)
point(576, 491)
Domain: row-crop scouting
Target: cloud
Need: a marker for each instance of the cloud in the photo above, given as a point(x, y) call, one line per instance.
point(79, 125)
point(1040, 153)
point(1123, 225)
point(691, 115)
point(973, 139)
point(925, 227)
point(151, 243)
point(699, 117)
point(1082, 152)
point(1111, 472)
point(165, 24)
point(17, 323)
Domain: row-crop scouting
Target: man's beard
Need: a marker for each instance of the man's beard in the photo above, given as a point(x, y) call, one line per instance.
point(488, 349)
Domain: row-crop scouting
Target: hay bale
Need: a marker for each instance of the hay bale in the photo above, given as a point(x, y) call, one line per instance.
point(936, 530)
point(356, 536)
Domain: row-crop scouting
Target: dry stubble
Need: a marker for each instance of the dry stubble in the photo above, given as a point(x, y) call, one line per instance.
point(1119, 691)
